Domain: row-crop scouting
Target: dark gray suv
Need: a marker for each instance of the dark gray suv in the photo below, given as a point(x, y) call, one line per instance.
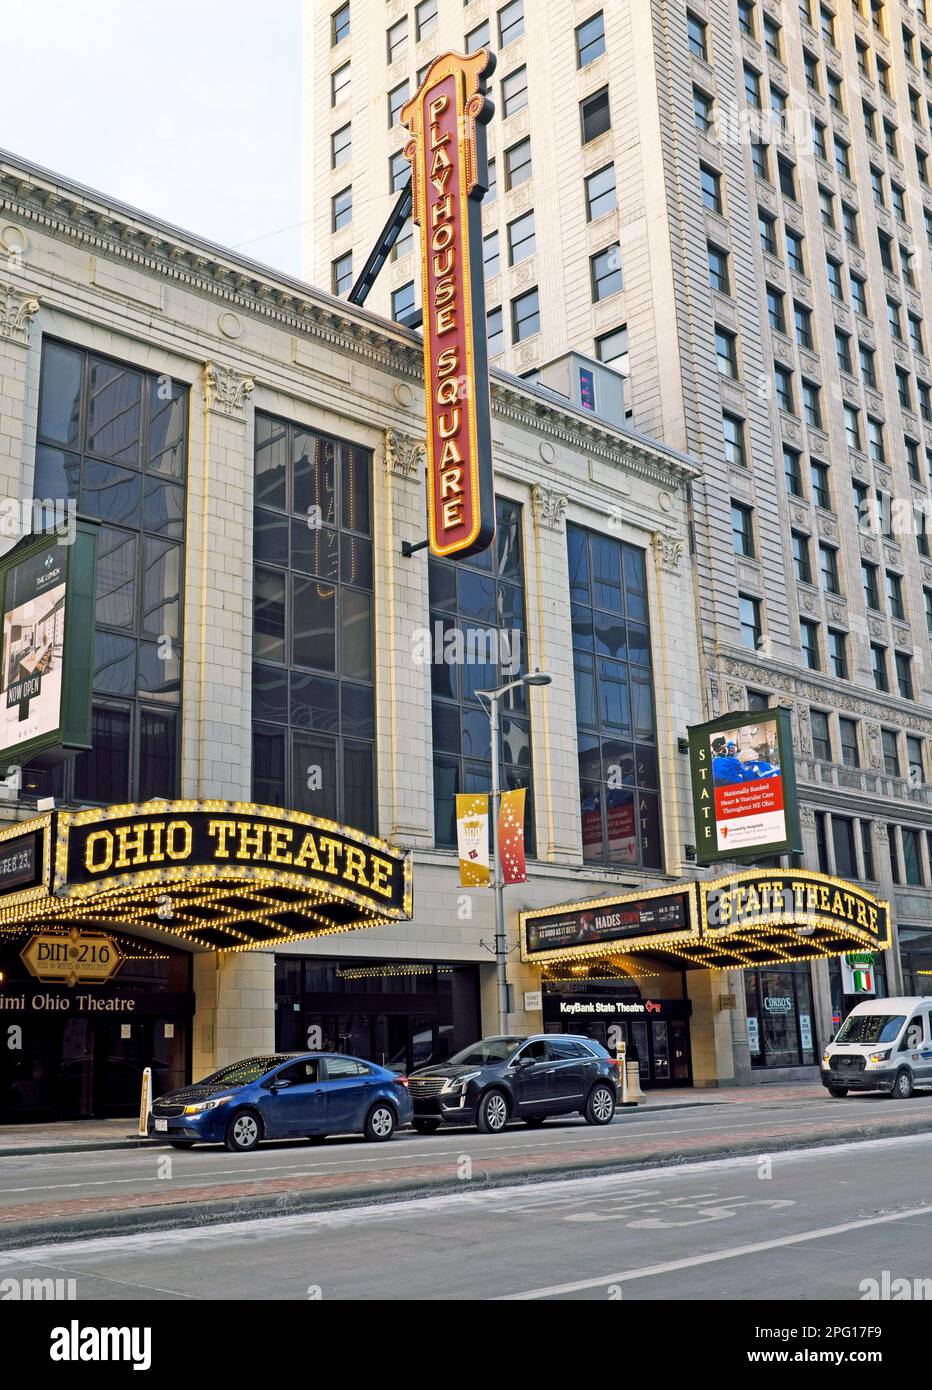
point(521, 1078)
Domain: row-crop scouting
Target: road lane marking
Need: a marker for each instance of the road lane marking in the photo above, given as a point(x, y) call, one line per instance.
point(692, 1261)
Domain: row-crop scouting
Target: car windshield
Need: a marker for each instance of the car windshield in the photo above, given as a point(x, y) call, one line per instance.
point(242, 1073)
point(870, 1028)
point(485, 1053)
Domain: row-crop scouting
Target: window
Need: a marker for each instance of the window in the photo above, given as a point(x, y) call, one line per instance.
point(749, 615)
point(495, 332)
point(833, 88)
point(514, 92)
point(809, 641)
point(510, 22)
point(779, 1001)
point(595, 116)
point(758, 700)
point(402, 301)
point(792, 473)
point(875, 440)
point(339, 24)
point(904, 674)
point(426, 19)
point(787, 175)
point(606, 272)
point(518, 164)
point(590, 40)
point(898, 200)
point(742, 530)
point(719, 277)
point(339, 84)
point(735, 447)
point(113, 439)
point(843, 846)
point(848, 742)
point(821, 496)
point(893, 320)
point(783, 386)
point(852, 426)
point(811, 70)
point(600, 192)
point(341, 278)
point(803, 320)
point(482, 599)
point(843, 351)
point(746, 17)
point(859, 296)
point(819, 146)
point(836, 282)
point(891, 752)
point(849, 222)
point(912, 859)
point(868, 368)
point(768, 234)
point(480, 37)
point(405, 243)
point(927, 602)
point(521, 239)
point(828, 569)
point(341, 146)
point(794, 252)
point(703, 108)
point(525, 316)
point(859, 495)
point(827, 25)
point(838, 653)
point(711, 188)
point(895, 596)
point(776, 314)
point(341, 209)
point(821, 740)
point(913, 466)
point(879, 667)
point(399, 172)
point(915, 761)
point(812, 408)
point(491, 258)
point(752, 88)
point(871, 587)
point(313, 694)
point(615, 711)
point(612, 349)
point(827, 208)
point(492, 190)
point(727, 353)
point(802, 567)
point(397, 40)
point(778, 105)
point(697, 35)
point(760, 161)
point(396, 100)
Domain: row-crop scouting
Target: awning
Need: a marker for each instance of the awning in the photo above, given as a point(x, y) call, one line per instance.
point(214, 875)
point(756, 918)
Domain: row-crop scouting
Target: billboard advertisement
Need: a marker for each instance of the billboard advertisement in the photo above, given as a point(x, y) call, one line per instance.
point(46, 658)
point(744, 786)
point(626, 920)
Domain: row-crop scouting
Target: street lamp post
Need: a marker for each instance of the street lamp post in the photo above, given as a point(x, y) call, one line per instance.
point(498, 886)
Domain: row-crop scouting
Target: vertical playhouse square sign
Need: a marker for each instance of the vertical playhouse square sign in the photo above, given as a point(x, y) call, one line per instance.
point(447, 120)
point(744, 786)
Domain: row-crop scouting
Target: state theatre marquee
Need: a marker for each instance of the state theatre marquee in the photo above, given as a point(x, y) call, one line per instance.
point(217, 875)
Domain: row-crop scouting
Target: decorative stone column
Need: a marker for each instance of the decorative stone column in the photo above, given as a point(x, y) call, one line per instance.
point(18, 308)
point(235, 994)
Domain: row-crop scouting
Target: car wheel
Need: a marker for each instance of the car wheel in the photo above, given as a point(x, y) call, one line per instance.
point(492, 1116)
point(535, 1121)
point(243, 1132)
point(380, 1122)
point(837, 1091)
point(426, 1126)
point(903, 1085)
point(600, 1107)
point(181, 1143)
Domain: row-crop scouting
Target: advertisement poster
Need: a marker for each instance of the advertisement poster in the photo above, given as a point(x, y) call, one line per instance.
point(744, 789)
point(33, 648)
point(655, 914)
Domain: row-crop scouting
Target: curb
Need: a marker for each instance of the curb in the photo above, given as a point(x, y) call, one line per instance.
point(203, 1214)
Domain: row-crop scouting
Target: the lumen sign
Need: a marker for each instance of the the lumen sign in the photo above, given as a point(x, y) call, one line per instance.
point(447, 120)
point(227, 842)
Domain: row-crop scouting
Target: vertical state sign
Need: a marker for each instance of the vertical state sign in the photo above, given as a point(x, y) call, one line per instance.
point(447, 120)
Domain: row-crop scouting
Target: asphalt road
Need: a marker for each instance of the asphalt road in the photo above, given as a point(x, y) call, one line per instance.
point(60, 1179)
point(804, 1225)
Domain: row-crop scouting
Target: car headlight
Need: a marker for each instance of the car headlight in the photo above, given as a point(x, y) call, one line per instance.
point(203, 1105)
point(456, 1083)
point(825, 1059)
point(879, 1056)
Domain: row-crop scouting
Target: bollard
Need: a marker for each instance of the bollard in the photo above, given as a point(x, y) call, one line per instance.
point(145, 1103)
point(634, 1092)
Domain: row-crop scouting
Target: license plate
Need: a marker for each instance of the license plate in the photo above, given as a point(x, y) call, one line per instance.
point(161, 1126)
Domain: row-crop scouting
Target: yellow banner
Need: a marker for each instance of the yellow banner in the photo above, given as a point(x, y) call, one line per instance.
point(472, 838)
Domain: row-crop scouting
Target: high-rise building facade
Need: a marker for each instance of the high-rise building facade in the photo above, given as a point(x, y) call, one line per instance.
point(729, 202)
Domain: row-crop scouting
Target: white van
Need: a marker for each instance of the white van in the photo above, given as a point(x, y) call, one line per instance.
point(883, 1045)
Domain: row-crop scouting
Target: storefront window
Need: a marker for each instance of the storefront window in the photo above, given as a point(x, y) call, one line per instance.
point(781, 1027)
point(313, 688)
point(616, 720)
point(113, 439)
point(478, 633)
point(916, 956)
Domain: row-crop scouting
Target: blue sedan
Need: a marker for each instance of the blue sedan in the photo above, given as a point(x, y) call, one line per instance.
point(287, 1096)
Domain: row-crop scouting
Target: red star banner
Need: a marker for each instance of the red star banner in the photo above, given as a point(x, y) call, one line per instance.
point(511, 836)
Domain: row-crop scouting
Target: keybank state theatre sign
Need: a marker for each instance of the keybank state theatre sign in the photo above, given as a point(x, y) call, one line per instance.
point(219, 874)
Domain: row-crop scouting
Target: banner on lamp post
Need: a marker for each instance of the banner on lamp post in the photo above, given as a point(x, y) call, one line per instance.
point(511, 836)
point(472, 838)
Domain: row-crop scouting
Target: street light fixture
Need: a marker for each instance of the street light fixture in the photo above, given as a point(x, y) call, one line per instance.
point(501, 944)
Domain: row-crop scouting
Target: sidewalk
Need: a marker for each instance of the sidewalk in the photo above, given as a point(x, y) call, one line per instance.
point(76, 1136)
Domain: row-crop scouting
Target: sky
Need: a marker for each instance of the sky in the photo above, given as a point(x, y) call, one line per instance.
point(187, 109)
